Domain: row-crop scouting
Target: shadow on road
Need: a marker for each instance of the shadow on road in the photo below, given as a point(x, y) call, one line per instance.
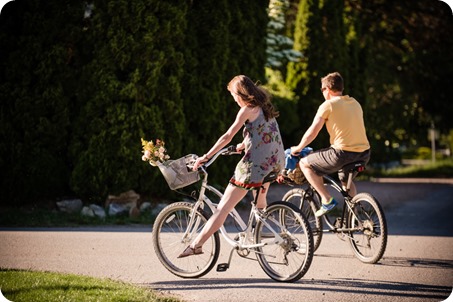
point(401, 261)
point(347, 286)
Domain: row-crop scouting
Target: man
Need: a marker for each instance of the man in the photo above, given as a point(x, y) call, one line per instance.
point(343, 117)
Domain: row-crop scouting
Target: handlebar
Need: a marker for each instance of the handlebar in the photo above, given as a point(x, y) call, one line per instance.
point(225, 151)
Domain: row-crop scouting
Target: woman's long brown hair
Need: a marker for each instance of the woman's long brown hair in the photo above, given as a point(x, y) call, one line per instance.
point(253, 95)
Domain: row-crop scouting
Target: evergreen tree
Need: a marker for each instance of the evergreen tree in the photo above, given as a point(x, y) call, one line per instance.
point(279, 47)
point(223, 39)
point(81, 83)
point(303, 76)
point(320, 36)
point(132, 90)
point(204, 79)
point(334, 51)
point(38, 39)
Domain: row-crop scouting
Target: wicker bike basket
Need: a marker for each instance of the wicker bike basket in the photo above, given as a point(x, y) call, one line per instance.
point(176, 172)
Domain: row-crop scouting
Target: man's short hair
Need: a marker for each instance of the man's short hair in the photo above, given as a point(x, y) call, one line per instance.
point(333, 81)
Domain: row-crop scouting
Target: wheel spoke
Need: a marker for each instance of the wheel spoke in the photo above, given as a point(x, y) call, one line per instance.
point(368, 244)
point(173, 231)
point(290, 259)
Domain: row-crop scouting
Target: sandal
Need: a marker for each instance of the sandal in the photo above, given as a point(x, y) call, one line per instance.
point(190, 251)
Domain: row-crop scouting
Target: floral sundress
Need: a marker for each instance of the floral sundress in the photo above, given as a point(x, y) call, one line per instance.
point(264, 153)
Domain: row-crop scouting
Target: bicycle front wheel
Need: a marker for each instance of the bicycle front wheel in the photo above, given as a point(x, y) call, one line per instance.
point(369, 240)
point(308, 206)
point(289, 260)
point(173, 230)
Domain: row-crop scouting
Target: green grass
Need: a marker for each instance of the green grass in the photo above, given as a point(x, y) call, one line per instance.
point(43, 217)
point(19, 285)
point(439, 169)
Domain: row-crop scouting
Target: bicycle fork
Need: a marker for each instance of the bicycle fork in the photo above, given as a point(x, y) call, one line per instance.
point(194, 224)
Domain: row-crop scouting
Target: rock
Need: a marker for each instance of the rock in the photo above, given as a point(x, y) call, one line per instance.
point(114, 209)
point(145, 206)
point(128, 199)
point(134, 212)
point(87, 211)
point(70, 206)
point(98, 211)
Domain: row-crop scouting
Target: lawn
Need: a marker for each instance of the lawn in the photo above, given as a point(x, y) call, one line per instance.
point(26, 286)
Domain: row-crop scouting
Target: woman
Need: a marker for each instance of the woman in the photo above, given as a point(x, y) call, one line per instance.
point(263, 153)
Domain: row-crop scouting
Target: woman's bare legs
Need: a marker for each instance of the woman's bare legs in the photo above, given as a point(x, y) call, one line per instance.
point(262, 201)
point(230, 199)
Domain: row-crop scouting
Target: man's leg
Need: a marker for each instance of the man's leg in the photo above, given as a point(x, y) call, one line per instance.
point(315, 180)
point(328, 203)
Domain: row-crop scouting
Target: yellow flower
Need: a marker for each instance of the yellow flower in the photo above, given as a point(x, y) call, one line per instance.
point(154, 152)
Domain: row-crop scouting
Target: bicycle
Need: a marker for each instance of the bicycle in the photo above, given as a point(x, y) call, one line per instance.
point(279, 236)
point(361, 220)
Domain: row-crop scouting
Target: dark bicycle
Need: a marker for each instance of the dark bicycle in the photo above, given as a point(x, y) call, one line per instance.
point(359, 219)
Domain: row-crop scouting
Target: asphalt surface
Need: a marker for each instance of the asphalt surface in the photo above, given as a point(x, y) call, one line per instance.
point(417, 264)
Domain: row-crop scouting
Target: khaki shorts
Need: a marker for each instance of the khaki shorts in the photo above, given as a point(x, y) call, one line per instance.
point(329, 161)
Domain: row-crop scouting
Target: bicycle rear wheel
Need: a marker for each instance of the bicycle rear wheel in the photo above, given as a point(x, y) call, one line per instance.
point(290, 260)
point(368, 244)
point(171, 236)
point(308, 207)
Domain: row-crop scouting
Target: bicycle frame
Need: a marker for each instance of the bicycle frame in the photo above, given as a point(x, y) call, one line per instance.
point(347, 205)
point(280, 237)
point(246, 228)
point(359, 219)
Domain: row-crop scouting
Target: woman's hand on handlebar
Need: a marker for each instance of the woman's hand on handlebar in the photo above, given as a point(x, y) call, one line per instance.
point(226, 151)
point(200, 161)
point(240, 147)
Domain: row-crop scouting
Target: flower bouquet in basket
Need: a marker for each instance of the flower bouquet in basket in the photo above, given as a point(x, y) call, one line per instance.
point(154, 153)
point(176, 172)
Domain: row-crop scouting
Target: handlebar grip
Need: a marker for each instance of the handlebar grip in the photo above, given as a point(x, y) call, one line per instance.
point(232, 148)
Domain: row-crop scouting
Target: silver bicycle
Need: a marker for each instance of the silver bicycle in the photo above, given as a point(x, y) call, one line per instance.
point(279, 237)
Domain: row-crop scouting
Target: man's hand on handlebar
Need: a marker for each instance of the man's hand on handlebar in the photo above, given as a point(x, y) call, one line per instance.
point(295, 151)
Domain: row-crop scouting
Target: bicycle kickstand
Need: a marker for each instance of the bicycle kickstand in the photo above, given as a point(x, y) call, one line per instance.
point(222, 267)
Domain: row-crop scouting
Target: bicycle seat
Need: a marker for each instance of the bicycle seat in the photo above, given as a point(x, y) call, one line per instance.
point(358, 166)
point(270, 177)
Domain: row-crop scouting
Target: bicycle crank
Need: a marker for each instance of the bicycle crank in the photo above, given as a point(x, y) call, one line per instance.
point(222, 267)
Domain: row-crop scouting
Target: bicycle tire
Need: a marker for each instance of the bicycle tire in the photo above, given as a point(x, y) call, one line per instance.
point(290, 260)
point(308, 208)
point(368, 245)
point(168, 241)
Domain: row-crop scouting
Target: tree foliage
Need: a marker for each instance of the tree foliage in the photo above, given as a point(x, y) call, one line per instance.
point(395, 58)
point(81, 83)
point(132, 90)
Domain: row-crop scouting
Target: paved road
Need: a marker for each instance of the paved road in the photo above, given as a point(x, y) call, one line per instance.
point(417, 265)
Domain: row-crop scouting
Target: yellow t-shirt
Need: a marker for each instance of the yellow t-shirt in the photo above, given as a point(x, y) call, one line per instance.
point(344, 122)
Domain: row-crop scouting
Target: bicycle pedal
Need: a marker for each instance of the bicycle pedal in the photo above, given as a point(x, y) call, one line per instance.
point(222, 267)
